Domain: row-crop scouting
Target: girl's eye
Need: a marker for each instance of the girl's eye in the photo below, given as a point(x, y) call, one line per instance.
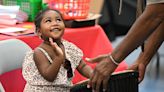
point(58, 20)
point(48, 21)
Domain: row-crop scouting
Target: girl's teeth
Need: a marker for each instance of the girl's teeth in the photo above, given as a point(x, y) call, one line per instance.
point(55, 30)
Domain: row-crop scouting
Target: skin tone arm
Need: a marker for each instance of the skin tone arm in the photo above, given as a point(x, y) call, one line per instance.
point(84, 69)
point(139, 32)
point(151, 47)
point(144, 26)
point(47, 70)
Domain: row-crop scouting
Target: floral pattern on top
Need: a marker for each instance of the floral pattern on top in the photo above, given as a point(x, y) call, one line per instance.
point(36, 83)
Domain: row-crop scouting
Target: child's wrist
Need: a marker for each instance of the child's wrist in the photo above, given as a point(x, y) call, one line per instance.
point(83, 66)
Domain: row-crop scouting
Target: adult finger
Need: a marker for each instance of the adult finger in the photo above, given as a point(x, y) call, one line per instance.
point(96, 59)
point(93, 81)
point(141, 70)
point(105, 84)
point(134, 66)
point(89, 85)
point(98, 82)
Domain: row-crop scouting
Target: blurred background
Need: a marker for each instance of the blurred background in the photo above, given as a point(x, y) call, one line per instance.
point(113, 23)
point(115, 26)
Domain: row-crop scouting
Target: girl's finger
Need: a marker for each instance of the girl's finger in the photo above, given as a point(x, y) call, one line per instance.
point(51, 40)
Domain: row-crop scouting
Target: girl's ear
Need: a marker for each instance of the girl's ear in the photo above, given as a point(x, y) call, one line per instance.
point(38, 33)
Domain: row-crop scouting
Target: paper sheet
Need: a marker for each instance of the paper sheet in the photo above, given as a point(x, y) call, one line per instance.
point(11, 29)
point(16, 31)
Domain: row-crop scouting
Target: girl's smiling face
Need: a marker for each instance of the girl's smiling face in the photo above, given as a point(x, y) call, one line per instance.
point(52, 25)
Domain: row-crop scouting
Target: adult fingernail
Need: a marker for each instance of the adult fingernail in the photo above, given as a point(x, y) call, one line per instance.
point(87, 59)
point(93, 90)
point(88, 86)
point(104, 90)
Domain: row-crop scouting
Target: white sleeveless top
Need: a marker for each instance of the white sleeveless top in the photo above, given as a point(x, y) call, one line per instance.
point(35, 82)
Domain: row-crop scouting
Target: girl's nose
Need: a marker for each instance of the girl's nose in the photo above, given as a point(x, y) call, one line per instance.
point(54, 23)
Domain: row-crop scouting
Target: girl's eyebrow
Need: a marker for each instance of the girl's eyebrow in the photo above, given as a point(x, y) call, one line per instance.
point(46, 18)
point(58, 16)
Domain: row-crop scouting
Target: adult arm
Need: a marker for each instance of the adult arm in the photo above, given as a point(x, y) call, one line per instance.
point(144, 26)
point(150, 48)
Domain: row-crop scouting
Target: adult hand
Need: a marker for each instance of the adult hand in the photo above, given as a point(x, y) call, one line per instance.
point(140, 67)
point(101, 73)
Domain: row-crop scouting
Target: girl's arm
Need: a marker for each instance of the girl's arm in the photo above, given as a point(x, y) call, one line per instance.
point(84, 69)
point(49, 70)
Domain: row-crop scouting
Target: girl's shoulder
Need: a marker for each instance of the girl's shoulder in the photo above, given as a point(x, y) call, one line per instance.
point(68, 44)
point(72, 48)
point(40, 52)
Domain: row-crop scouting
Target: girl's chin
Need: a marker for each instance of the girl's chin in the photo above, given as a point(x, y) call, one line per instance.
point(56, 38)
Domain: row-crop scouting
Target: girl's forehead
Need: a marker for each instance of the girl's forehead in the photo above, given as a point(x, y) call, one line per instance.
point(51, 13)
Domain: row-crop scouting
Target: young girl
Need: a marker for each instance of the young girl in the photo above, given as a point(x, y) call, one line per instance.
point(50, 67)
